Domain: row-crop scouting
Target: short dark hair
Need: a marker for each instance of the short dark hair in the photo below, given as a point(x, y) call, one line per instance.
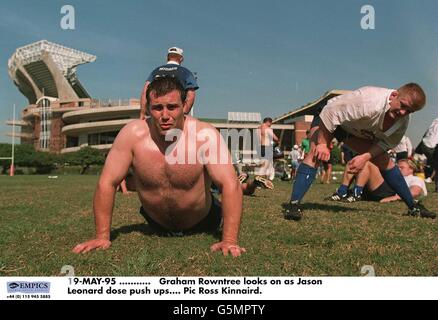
point(163, 85)
point(267, 120)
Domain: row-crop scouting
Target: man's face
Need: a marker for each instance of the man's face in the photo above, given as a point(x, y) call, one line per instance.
point(405, 169)
point(401, 105)
point(167, 111)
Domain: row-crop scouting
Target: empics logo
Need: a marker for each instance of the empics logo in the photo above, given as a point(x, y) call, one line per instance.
point(28, 287)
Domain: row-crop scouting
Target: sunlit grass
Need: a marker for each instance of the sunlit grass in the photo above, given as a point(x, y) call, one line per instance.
point(42, 219)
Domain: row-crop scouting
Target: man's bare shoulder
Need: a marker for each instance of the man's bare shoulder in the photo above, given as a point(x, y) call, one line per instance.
point(200, 125)
point(136, 129)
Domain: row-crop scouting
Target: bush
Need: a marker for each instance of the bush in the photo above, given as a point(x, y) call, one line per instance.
point(86, 157)
point(44, 162)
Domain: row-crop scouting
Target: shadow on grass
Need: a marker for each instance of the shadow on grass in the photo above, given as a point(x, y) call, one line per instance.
point(143, 228)
point(322, 207)
point(147, 230)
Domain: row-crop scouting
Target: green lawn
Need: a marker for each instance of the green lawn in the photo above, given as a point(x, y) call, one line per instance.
point(42, 219)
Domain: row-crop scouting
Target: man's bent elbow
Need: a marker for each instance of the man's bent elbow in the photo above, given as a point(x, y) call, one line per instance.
point(105, 186)
point(232, 187)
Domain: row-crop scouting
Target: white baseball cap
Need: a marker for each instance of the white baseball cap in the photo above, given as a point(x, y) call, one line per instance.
point(296, 147)
point(175, 50)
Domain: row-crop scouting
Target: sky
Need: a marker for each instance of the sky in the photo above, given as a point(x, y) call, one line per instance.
point(249, 55)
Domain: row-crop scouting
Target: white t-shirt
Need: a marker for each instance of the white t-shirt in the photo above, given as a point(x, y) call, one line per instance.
point(430, 138)
point(416, 181)
point(405, 145)
point(361, 113)
point(295, 155)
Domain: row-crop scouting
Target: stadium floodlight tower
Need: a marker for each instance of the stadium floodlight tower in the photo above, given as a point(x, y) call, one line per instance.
point(46, 68)
point(45, 72)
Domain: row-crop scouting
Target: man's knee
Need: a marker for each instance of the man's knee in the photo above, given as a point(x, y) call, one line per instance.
point(383, 162)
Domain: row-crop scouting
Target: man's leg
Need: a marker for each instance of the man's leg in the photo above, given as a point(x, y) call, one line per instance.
point(248, 188)
point(323, 173)
point(123, 187)
point(342, 192)
point(388, 169)
point(369, 176)
point(375, 178)
point(395, 180)
point(304, 177)
point(328, 173)
point(392, 175)
point(262, 170)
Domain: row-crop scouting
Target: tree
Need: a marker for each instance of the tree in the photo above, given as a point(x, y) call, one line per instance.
point(25, 155)
point(5, 151)
point(86, 157)
point(44, 162)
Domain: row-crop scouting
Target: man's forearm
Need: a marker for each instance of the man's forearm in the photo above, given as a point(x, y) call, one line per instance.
point(103, 209)
point(231, 212)
point(324, 136)
point(190, 100)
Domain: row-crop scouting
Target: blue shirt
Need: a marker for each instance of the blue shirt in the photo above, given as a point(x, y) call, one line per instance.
point(184, 75)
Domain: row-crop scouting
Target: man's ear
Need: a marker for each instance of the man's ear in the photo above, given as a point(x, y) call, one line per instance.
point(185, 107)
point(394, 94)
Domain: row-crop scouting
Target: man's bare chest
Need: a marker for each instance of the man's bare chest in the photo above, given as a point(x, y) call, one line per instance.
point(153, 171)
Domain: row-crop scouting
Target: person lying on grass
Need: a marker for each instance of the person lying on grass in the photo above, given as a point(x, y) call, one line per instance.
point(371, 186)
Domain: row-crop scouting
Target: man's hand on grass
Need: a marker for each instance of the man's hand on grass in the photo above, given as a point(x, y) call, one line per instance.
point(95, 244)
point(227, 247)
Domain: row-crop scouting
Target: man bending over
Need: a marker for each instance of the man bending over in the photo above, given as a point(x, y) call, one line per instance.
point(371, 121)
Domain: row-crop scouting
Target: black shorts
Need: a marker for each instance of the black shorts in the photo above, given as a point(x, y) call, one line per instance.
point(266, 152)
point(340, 134)
point(262, 151)
point(348, 153)
point(211, 223)
point(326, 163)
point(430, 153)
point(383, 191)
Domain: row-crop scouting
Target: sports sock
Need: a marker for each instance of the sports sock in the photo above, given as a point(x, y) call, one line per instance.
point(342, 190)
point(303, 180)
point(395, 180)
point(357, 191)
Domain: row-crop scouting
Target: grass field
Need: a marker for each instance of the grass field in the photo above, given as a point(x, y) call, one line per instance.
point(42, 219)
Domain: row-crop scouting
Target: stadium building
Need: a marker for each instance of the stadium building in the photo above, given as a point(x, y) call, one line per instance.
point(63, 117)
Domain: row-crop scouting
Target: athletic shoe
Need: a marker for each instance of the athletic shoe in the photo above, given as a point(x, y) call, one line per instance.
point(263, 182)
point(293, 211)
point(353, 198)
point(420, 210)
point(337, 197)
point(243, 177)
